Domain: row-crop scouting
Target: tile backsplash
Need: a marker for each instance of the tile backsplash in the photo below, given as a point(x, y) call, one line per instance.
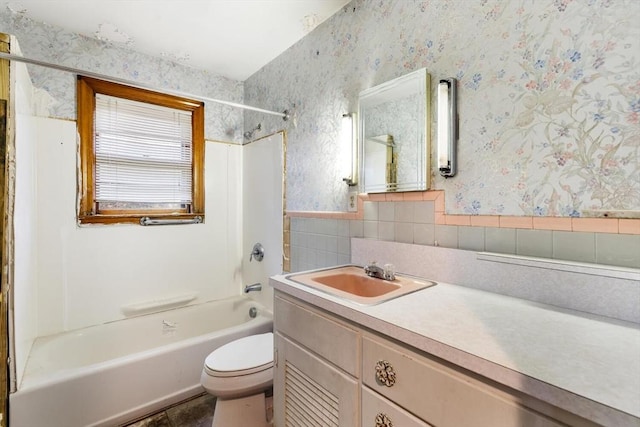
point(317, 243)
point(320, 242)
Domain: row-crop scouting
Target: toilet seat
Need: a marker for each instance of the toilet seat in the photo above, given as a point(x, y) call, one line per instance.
point(223, 374)
point(240, 368)
point(244, 356)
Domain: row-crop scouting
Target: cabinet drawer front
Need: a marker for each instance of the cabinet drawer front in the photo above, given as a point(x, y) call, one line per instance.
point(436, 393)
point(331, 340)
point(374, 405)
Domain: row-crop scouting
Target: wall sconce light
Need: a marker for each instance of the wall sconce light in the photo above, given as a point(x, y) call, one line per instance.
point(349, 148)
point(447, 127)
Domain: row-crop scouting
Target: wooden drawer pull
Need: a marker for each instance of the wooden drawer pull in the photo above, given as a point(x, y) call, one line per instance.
point(385, 375)
point(382, 420)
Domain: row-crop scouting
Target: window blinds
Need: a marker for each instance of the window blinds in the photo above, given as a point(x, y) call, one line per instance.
point(143, 153)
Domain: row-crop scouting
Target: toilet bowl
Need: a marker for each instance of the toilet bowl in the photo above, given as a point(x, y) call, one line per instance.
point(238, 374)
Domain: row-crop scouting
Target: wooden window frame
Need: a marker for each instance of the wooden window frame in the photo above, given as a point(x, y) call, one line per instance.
point(87, 88)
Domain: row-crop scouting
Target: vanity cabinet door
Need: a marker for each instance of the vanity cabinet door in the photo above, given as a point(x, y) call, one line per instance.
point(309, 392)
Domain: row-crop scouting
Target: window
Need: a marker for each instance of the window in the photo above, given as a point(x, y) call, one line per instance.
point(141, 154)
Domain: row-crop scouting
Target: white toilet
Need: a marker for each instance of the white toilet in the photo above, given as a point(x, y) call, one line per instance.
point(238, 374)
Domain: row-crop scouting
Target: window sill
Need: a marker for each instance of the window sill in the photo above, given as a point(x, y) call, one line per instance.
point(135, 218)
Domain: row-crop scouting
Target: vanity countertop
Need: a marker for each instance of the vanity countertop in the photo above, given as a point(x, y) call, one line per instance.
point(585, 364)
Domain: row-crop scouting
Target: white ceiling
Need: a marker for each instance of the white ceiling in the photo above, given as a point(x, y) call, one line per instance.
point(233, 38)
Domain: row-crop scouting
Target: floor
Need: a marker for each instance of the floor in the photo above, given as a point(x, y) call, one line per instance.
point(197, 412)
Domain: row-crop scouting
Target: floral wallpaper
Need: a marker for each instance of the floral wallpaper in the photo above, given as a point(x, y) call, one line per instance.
point(57, 89)
point(548, 97)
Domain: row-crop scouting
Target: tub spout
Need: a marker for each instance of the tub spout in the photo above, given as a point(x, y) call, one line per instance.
point(251, 288)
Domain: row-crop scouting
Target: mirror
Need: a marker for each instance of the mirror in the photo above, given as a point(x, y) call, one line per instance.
point(395, 134)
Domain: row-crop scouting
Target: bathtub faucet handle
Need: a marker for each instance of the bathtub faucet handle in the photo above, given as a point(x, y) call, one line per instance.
point(251, 288)
point(257, 252)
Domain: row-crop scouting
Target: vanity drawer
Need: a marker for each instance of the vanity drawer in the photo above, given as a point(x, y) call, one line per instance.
point(331, 340)
point(374, 405)
point(438, 393)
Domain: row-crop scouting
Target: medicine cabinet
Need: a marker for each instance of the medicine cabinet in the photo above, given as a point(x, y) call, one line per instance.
point(395, 135)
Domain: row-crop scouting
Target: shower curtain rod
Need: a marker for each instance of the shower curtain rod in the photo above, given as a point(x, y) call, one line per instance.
point(76, 71)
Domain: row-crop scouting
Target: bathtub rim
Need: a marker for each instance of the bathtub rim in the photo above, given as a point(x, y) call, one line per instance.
point(27, 382)
point(77, 372)
point(83, 386)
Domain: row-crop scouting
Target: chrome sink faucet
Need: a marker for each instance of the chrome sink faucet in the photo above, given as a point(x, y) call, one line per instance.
point(386, 273)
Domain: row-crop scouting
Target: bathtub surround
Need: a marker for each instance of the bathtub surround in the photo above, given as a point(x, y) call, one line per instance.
point(24, 312)
point(263, 211)
point(6, 233)
point(85, 274)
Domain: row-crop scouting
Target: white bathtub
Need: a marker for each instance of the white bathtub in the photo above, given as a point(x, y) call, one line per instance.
point(108, 374)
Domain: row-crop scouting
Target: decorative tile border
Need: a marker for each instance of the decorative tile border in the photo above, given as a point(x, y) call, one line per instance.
point(593, 225)
point(628, 226)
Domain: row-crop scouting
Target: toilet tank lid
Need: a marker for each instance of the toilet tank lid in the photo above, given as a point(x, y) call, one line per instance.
point(242, 354)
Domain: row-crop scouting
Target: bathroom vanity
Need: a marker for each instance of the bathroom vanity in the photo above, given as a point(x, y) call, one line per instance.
point(340, 363)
